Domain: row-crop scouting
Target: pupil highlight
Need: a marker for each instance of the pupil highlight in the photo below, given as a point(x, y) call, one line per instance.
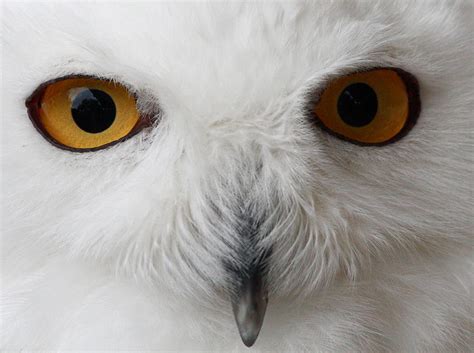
point(93, 110)
point(357, 104)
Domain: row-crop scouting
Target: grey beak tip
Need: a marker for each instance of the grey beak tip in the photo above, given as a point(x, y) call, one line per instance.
point(249, 306)
point(249, 340)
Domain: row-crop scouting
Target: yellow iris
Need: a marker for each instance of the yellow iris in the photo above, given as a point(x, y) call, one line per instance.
point(84, 113)
point(371, 107)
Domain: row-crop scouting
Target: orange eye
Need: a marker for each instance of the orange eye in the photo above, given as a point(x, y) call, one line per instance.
point(84, 113)
point(370, 108)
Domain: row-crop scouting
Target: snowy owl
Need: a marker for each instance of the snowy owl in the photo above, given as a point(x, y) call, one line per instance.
point(192, 176)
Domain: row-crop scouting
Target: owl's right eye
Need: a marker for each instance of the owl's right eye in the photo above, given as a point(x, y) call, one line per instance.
point(84, 113)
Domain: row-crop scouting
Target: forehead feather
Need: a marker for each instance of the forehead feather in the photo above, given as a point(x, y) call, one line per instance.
point(238, 55)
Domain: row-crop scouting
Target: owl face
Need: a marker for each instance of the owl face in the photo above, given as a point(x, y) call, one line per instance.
point(238, 180)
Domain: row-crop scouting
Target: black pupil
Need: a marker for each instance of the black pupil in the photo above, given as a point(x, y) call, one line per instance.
point(357, 105)
point(93, 110)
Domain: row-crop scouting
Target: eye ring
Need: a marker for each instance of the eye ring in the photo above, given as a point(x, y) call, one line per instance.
point(411, 91)
point(34, 101)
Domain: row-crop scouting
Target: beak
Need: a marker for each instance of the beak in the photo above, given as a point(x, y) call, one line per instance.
point(249, 305)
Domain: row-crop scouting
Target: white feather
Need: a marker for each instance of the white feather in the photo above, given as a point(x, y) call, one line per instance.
point(123, 248)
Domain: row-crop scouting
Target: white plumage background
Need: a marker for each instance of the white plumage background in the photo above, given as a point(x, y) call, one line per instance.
point(125, 248)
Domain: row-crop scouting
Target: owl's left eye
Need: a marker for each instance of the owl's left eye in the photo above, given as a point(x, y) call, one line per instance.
point(84, 113)
point(372, 107)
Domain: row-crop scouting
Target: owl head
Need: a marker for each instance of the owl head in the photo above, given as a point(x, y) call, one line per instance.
point(238, 152)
